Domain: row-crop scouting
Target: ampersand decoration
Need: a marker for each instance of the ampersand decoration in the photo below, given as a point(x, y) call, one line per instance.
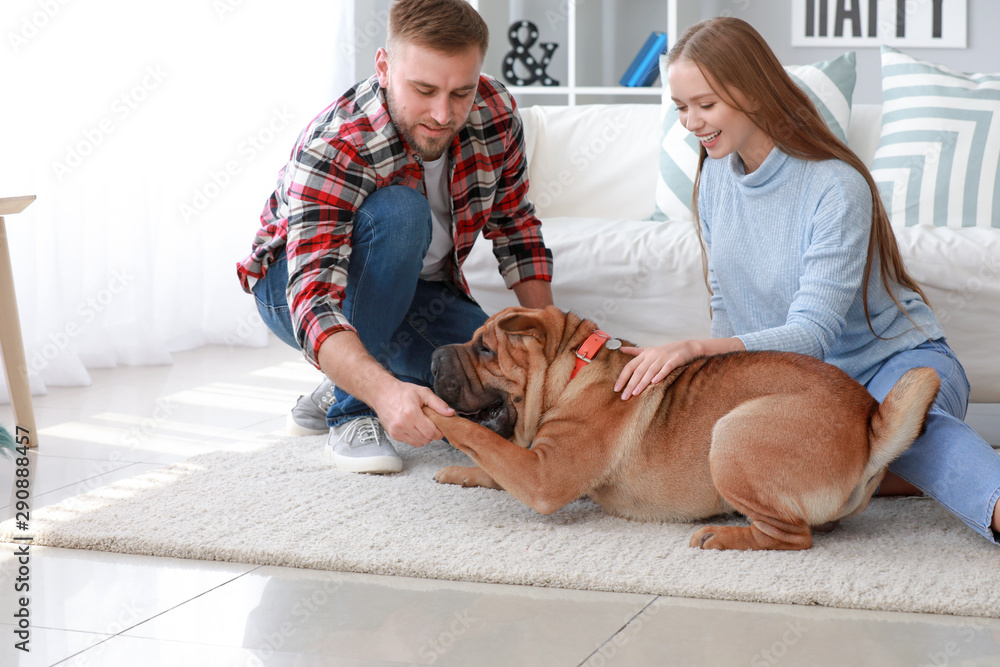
point(521, 53)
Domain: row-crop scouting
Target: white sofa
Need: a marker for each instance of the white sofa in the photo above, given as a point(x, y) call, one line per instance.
point(593, 172)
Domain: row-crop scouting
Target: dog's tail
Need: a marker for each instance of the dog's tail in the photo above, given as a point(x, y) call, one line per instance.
point(900, 418)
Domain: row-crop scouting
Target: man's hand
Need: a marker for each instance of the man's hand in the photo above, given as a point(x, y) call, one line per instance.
point(400, 409)
point(652, 364)
point(343, 359)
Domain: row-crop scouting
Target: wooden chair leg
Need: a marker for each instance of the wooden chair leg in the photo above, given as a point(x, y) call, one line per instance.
point(12, 346)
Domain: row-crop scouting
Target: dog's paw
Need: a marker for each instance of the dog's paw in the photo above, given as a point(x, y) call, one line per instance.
point(751, 537)
point(465, 476)
point(704, 539)
point(451, 475)
point(726, 537)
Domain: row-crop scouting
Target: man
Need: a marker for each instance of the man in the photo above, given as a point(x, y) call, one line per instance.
point(358, 258)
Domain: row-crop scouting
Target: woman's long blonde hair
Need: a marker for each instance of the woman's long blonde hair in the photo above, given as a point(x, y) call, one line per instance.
point(733, 56)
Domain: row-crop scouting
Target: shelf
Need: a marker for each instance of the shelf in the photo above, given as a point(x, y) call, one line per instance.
point(596, 44)
point(597, 41)
point(619, 90)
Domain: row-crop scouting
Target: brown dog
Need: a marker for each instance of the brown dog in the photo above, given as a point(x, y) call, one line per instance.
point(787, 440)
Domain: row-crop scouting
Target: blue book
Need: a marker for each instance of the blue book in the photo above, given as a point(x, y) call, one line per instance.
point(637, 61)
point(647, 62)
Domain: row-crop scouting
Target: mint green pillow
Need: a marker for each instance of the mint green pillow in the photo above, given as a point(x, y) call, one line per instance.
point(829, 84)
point(938, 158)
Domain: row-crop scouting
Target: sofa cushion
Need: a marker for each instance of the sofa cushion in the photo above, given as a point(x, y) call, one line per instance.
point(939, 151)
point(863, 133)
point(640, 281)
point(593, 160)
point(959, 270)
point(829, 84)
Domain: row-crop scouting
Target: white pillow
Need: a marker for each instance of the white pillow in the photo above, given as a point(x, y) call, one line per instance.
point(939, 153)
point(829, 84)
point(614, 272)
point(607, 149)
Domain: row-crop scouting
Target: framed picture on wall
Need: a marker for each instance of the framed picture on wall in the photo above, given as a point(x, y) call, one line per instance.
point(899, 23)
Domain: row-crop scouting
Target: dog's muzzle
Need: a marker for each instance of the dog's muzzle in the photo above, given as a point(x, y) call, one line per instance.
point(453, 386)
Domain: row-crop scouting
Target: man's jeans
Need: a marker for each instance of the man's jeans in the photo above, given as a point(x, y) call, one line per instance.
point(400, 319)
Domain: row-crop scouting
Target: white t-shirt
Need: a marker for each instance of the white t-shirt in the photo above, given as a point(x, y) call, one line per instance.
point(438, 188)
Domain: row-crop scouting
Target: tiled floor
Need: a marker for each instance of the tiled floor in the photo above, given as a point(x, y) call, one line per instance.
point(102, 609)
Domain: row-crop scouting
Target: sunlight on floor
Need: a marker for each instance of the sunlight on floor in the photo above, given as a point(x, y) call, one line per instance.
point(147, 424)
point(237, 397)
point(96, 499)
point(294, 371)
point(161, 437)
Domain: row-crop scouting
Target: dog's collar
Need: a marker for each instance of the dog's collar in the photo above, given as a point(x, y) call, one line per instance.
point(586, 352)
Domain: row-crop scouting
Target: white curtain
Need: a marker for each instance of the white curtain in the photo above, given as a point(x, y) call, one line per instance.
point(152, 134)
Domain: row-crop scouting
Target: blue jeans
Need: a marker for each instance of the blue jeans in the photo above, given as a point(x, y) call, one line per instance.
point(949, 462)
point(399, 318)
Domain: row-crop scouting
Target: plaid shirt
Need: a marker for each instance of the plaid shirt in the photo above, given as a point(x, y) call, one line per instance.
point(352, 149)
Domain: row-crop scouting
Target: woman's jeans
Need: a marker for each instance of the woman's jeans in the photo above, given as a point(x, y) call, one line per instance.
point(949, 462)
point(399, 318)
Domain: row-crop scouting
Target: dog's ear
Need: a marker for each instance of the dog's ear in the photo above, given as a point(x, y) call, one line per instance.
point(524, 323)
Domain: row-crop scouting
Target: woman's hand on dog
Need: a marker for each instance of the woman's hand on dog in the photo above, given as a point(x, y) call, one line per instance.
point(652, 364)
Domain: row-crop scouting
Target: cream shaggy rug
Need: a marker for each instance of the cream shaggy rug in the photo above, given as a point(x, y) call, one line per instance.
point(281, 504)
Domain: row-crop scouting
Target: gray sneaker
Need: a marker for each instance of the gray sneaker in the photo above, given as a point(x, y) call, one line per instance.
point(361, 445)
point(308, 417)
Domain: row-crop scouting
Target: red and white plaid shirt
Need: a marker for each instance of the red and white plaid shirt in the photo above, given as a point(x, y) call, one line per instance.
point(352, 149)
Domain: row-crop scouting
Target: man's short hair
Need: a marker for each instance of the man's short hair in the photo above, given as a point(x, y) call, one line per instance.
point(448, 26)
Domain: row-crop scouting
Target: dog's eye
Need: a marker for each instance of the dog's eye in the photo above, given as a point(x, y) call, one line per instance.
point(480, 347)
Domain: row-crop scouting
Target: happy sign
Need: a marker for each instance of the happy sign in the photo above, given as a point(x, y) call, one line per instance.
point(917, 23)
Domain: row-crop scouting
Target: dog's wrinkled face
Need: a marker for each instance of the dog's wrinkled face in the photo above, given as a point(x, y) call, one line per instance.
point(486, 379)
point(468, 378)
point(487, 406)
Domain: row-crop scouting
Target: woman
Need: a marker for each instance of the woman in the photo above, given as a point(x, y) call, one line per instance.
point(800, 257)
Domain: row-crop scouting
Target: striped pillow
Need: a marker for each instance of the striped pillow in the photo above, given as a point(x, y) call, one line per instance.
point(938, 158)
point(829, 84)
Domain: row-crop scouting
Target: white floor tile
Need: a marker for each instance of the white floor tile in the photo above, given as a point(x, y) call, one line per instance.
point(92, 591)
point(55, 478)
point(46, 646)
point(139, 652)
point(398, 619)
point(699, 633)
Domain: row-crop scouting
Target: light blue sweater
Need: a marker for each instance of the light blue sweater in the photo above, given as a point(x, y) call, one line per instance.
point(787, 247)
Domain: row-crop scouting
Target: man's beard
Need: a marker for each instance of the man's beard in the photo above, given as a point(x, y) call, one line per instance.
point(430, 148)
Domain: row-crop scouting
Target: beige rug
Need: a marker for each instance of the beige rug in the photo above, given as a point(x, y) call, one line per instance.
point(281, 504)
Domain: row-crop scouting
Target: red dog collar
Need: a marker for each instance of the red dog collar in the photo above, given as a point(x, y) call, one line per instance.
point(586, 352)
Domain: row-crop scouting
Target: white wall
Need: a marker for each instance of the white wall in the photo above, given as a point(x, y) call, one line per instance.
point(772, 18)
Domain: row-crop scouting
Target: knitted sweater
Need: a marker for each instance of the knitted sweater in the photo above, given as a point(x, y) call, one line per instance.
point(787, 246)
